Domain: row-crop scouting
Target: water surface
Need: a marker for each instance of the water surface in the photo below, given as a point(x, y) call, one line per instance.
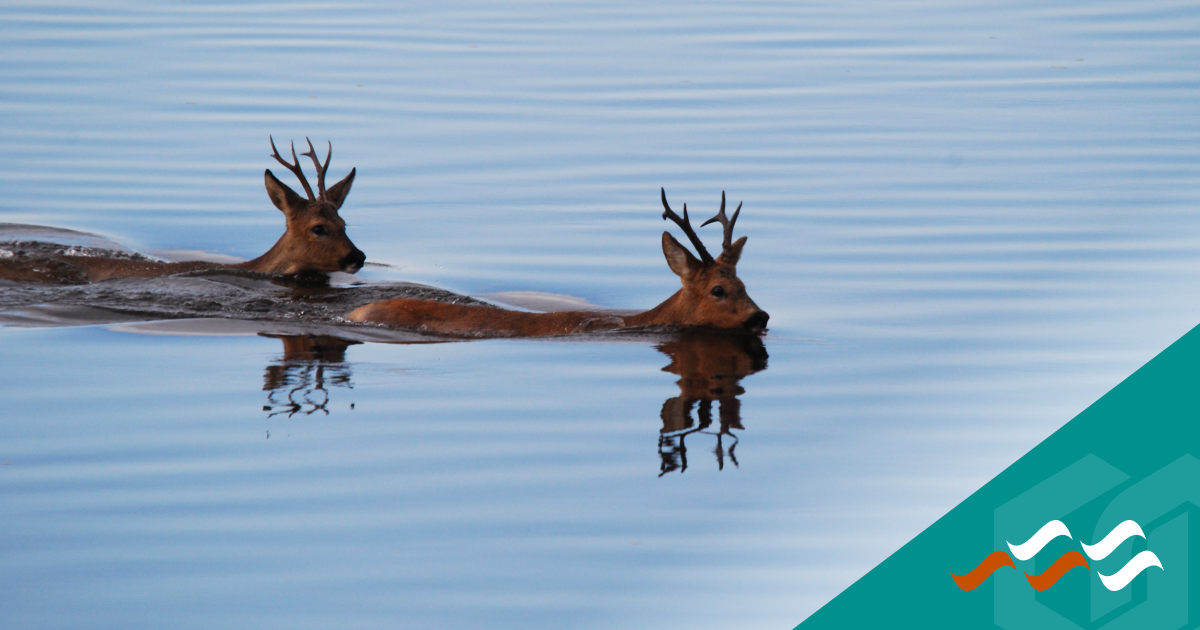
point(967, 221)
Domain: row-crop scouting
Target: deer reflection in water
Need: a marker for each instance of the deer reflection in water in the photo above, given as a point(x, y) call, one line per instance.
point(310, 364)
point(710, 365)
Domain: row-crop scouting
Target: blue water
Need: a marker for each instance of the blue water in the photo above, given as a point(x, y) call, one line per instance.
point(968, 221)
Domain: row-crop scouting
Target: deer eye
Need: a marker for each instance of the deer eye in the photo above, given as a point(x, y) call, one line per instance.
point(319, 230)
point(718, 292)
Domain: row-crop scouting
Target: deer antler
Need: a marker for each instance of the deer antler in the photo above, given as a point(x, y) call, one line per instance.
point(726, 223)
point(320, 169)
point(295, 167)
point(686, 225)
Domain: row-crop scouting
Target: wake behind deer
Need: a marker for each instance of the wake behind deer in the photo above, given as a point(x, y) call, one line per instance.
point(315, 240)
point(712, 296)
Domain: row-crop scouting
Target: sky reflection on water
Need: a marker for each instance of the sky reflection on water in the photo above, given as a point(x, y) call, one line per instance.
point(968, 221)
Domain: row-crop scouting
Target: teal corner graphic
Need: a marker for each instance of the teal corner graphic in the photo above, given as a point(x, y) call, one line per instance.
point(1089, 530)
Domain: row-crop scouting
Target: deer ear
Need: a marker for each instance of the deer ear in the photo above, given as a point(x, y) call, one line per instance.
point(283, 197)
point(337, 193)
point(734, 253)
point(679, 259)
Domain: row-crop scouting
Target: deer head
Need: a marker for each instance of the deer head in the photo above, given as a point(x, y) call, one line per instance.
point(712, 294)
point(316, 236)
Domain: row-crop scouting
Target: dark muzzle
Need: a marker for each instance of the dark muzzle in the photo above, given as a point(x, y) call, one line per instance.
point(756, 322)
point(353, 261)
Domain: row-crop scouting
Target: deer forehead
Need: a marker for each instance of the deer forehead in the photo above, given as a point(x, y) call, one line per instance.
point(723, 273)
point(322, 213)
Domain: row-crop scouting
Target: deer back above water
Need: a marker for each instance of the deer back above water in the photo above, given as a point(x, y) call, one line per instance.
point(712, 296)
point(315, 239)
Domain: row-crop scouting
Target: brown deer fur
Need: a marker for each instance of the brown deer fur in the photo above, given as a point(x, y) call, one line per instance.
point(315, 239)
point(712, 296)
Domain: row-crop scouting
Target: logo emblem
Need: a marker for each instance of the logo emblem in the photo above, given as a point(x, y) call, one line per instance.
point(1067, 561)
point(1139, 525)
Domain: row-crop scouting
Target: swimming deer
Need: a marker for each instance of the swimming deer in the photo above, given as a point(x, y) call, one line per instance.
point(712, 296)
point(315, 239)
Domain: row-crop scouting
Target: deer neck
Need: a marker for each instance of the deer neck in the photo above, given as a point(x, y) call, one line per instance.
point(667, 313)
point(275, 261)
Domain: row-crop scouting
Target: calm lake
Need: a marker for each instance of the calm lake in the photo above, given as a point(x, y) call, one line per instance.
point(967, 220)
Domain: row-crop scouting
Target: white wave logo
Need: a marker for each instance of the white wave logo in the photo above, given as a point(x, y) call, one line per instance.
point(1098, 551)
point(1122, 578)
point(1048, 532)
point(1134, 567)
point(1118, 535)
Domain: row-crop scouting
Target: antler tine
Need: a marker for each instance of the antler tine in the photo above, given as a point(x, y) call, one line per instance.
point(294, 167)
point(320, 169)
point(686, 225)
point(725, 222)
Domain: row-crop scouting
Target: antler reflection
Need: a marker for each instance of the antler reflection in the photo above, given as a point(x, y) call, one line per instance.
point(710, 365)
point(310, 363)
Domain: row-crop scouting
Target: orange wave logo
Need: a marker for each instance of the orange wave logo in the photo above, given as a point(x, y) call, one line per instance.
point(1065, 562)
point(983, 571)
point(1040, 582)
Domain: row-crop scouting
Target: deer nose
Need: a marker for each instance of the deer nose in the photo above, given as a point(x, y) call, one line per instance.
point(756, 322)
point(353, 261)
